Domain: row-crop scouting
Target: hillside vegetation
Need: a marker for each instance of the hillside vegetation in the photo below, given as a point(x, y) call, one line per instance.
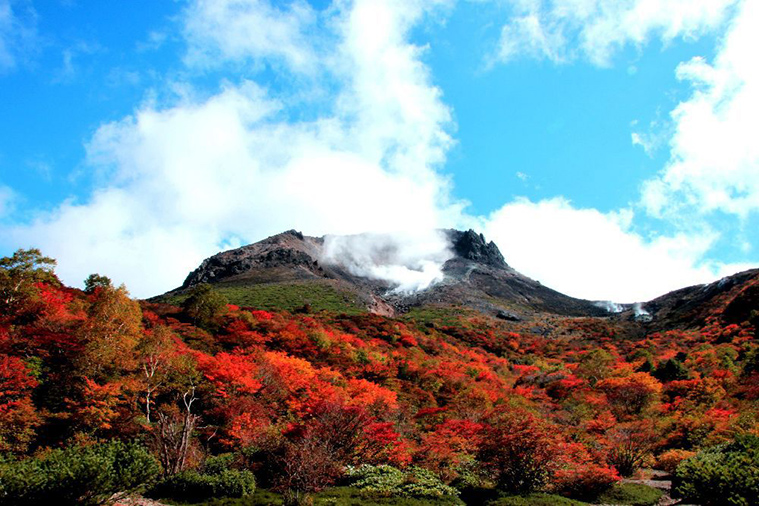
point(225, 400)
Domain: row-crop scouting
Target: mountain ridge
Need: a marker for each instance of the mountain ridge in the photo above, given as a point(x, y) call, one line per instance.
point(476, 276)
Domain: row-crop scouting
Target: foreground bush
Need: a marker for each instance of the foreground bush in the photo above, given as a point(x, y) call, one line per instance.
point(584, 481)
point(669, 460)
point(633, 494)
point(390, 481)
point(77, 475)
point(349, 496)
point(216, 479)
point(724, 474)
point(520, 451)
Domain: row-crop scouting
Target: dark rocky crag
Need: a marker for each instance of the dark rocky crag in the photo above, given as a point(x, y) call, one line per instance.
point(472, 246)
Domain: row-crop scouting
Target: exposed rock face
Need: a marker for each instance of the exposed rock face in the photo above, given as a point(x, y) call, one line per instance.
point(508, 316)
point(289, 249)
point(472, 246)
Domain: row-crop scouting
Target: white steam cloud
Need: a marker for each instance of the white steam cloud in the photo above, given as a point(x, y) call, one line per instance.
point(611, 307)
point(408, 262)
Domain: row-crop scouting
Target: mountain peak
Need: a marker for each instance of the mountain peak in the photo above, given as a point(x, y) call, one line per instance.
point(297, 267)
point(472, 246)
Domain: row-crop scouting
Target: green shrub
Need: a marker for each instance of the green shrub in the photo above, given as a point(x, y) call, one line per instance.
point(724, 474)
point(386, 480)
point(216, 480)
point(219, 463)
point(205, 305)
point(422, 482)
point(77, 475)
point(348, 496)
point(633, 494)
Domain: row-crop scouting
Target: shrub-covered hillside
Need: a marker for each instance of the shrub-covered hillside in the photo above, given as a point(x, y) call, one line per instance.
point(223, 397)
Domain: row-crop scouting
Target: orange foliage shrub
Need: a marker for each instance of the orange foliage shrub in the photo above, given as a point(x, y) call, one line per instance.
point(632, 394)
point(669, 460)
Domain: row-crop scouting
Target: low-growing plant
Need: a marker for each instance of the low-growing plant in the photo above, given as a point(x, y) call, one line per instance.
point(86, 475)
point(219, 463)
point(723, 474)
point(217, 479)
point(669, 460)
point(388, 481)
point(633, 494)
point(584, 481)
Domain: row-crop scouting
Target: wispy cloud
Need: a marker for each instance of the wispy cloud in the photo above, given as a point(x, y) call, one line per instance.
point(71, 57)
point(252, 30)
point(154, 40)
point(7, 198)
point(564, 30)
point(18, 34)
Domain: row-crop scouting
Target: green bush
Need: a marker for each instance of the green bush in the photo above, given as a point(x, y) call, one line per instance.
point(77, 475)
point(218, 464)
point(217, 479)
point(389, 481)
point(724, 474)
point(348, 496)
point(633, 494)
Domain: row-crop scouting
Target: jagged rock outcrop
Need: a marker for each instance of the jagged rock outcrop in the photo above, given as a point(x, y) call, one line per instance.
point(472, 246)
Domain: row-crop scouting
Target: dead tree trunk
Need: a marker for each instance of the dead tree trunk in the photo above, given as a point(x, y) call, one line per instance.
point(174, 434)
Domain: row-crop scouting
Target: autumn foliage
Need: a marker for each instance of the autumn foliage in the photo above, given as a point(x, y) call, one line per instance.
point(300, 397)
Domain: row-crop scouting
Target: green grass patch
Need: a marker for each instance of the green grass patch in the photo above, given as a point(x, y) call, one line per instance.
point(535, 499)
point(288, 296)
point(259, 498)
point(339, 496)
point(634, 494)
point(438, 315)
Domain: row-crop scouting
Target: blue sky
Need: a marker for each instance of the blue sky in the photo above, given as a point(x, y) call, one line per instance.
point(606, 146)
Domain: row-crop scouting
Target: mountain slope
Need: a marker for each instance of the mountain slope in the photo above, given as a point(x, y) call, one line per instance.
point(292, 271)
point(295, 266)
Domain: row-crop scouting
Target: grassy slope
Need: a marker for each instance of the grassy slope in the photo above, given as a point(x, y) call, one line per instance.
point(288, 296)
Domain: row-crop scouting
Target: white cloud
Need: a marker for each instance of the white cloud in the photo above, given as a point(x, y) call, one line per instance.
point(562, 30)
point(597, 256)
point(249, 30)
point(179, 182)
point(17, 34)
point(714, 163)
point(7, 197)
